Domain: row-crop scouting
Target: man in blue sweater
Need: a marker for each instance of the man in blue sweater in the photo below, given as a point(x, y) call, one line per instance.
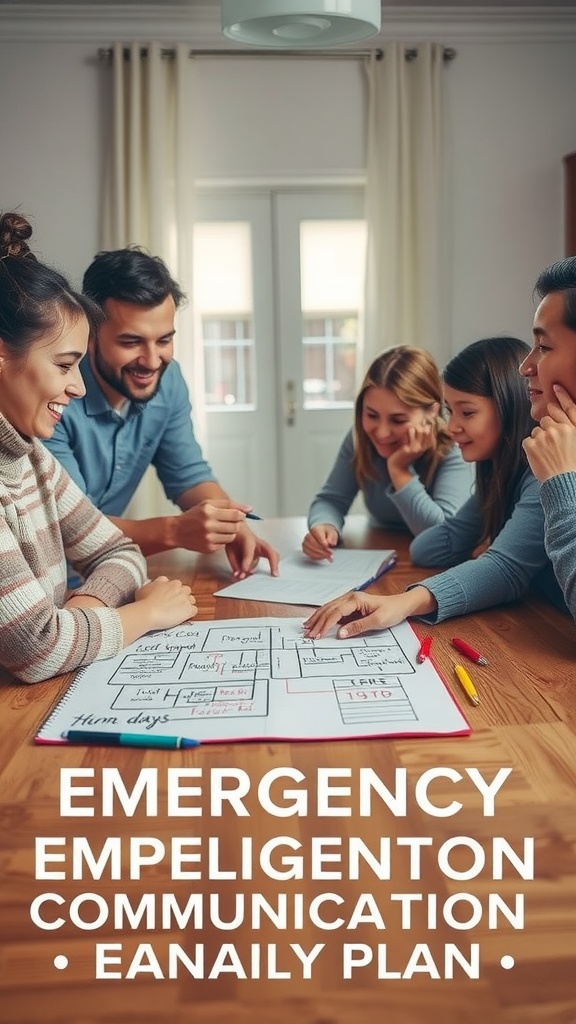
point(137, 412)
point(550, 372)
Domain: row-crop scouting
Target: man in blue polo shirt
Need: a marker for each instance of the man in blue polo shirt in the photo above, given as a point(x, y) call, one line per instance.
point(136, 412)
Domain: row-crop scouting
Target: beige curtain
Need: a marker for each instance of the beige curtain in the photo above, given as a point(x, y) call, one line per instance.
point(404, 271)
point(149, 196)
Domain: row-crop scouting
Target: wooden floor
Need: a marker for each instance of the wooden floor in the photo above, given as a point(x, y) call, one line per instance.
point(526, 721)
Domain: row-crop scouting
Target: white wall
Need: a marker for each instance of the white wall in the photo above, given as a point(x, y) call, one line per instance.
point(511, 119)
point(266, 118)
point(50, 147)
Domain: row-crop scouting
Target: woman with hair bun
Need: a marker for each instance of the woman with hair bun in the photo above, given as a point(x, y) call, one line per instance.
point(44, 517)
point(399, 455)
point(492, 549)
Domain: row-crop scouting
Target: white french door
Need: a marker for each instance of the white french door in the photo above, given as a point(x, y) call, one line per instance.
point(277, 295)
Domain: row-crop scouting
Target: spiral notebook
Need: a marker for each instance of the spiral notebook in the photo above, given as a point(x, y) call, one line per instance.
point(260, 679)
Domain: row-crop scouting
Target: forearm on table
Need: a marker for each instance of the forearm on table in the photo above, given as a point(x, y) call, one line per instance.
point(419, 601)
point(151, 535)
point(84, 601)
point(329, 510)
point(163, 533)
point(135, 617)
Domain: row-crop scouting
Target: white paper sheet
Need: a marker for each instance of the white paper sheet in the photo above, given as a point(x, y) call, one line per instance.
point(302, 581)
point(245, 679)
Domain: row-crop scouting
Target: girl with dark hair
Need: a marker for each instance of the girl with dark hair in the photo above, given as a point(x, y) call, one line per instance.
point(494, 545)
point(399, 455)
point(492, 423)
point(44, 518)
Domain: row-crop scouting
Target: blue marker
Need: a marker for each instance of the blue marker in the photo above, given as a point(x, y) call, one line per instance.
point(384, 567)
point(128, 739)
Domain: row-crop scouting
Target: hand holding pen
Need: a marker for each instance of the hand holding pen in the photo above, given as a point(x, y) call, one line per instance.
point(208, 525)
point(319, 541)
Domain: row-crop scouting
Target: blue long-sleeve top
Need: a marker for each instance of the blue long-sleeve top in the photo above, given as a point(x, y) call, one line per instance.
point(413, 506)
point(515, 559)
point(558, 498)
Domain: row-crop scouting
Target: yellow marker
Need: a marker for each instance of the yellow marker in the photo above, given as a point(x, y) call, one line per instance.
point(466, 684)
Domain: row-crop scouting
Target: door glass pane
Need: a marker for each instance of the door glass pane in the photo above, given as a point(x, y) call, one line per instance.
point(332, 287)
point(223, 307)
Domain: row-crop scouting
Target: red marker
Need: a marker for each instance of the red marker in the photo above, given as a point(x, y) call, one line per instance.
point(465, 648)
point(424, 651)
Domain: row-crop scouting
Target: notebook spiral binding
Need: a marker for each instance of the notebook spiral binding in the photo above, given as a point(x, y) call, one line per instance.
point(40, 736)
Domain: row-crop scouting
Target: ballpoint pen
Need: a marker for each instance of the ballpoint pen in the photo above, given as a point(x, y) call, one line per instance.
point(252, 515)
point(388, 564)
point(466, 684)
point(424, 651)
point(128, 739)
point(469, 651)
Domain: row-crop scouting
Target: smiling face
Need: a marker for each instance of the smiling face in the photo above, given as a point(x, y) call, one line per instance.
point(134, 347)
point(552, 359)
point(473, 423)
point(36, 387)
point(385, 419)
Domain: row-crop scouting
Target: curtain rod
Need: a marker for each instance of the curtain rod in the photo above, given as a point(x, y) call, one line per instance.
point(105, 53)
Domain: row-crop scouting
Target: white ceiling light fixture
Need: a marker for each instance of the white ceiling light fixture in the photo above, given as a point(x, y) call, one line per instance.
point(299, 24)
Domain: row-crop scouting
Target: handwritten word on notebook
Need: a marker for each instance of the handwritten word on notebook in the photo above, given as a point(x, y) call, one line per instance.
point(303, 581)
point(247, 679)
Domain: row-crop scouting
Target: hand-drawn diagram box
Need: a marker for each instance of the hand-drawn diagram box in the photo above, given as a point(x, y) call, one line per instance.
point(312, 660)
point(230, 699)
point(373, 699)
point(192, 667)
point(228, 672)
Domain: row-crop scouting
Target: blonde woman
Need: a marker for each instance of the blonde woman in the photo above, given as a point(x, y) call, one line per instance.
point(399, 454)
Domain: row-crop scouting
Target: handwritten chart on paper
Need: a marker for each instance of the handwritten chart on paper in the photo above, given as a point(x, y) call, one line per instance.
point(243, 679)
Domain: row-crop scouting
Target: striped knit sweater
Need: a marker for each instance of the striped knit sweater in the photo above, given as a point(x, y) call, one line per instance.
point(44, 520)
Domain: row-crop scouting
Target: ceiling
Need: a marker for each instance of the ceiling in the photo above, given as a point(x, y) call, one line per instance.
point(396, 5)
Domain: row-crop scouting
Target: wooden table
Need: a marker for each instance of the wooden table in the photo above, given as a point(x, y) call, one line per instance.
point(526, 721)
